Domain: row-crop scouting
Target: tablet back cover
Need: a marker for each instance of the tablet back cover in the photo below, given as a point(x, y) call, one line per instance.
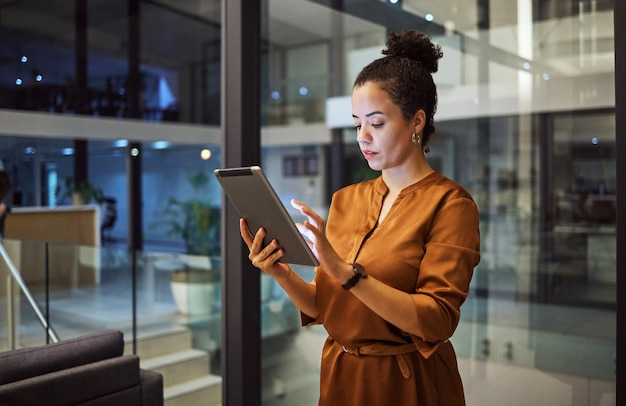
point(255, 200)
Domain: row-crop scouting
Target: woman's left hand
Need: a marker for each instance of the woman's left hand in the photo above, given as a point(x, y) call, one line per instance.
point(313, 231)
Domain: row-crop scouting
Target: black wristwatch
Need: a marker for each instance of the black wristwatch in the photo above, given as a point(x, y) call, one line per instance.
point(359, 273)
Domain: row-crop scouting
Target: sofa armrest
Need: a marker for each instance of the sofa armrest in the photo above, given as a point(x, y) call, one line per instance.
point(151, 387)
point(115, 377)
point(30, 362)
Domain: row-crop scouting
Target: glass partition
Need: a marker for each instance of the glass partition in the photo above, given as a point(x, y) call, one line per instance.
point(582, 241)
point(78, 289)
point(65, 80)
point(525, 122)
point(70, 59)
point(166, 304)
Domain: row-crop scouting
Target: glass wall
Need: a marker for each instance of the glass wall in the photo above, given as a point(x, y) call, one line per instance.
point(59, 54)
point(525, 122)
point(71, 106)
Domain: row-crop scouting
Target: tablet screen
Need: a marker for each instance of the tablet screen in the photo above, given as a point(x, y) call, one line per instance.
point(255, 200)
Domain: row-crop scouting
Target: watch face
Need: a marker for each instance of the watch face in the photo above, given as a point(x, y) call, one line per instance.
point(358, 269)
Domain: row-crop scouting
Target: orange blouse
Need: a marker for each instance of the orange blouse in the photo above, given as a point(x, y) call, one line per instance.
point(427, 245)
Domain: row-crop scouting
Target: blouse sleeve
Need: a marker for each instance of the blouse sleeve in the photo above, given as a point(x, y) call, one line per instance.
point(452, 250)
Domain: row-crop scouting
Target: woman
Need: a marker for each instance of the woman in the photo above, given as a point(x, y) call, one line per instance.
point(396, 254)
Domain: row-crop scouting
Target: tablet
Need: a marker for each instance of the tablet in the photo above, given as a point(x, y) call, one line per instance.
point(255, 200)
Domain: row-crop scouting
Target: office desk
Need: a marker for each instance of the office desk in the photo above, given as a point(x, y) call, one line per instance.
point(71, 224)
point(66, 237)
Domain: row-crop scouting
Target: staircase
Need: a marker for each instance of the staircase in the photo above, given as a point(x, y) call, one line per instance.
point(187, 379)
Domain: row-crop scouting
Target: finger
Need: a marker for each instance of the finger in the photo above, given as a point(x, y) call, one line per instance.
point(270, 248)
point(313, 217)
point(257, 256)
point(276, 254)
point(307, 232)
point(245, 232)
point(256, 243)
point(266, 258)
point(298, 205)
point(316, 220)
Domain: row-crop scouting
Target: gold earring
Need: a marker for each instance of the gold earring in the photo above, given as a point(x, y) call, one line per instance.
point(415, 139)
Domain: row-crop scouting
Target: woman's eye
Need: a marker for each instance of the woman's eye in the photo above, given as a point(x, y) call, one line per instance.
point(357, 127)
point(377, 125)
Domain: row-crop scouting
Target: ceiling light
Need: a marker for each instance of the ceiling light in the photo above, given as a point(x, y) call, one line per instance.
point(160, 144)
point(205, 154)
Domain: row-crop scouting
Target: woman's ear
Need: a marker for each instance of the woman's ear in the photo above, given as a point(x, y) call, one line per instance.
point(419, 121)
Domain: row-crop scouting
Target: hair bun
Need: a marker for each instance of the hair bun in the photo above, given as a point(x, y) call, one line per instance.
point(416, 46)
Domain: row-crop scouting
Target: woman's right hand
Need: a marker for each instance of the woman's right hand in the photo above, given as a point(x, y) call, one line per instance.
point(263, 257)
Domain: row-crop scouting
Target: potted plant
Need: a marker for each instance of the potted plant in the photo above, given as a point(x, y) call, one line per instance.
point(82, 193)
point(195, 281)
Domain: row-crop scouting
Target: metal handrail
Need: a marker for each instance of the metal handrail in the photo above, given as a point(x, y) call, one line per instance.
point(15, 273)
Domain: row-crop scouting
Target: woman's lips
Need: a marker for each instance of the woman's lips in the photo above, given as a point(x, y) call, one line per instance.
point(368, 154)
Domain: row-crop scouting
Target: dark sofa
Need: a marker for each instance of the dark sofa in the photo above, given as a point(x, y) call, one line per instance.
point(87, 370)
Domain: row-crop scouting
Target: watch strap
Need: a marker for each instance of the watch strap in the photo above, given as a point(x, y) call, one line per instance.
point(359, 273)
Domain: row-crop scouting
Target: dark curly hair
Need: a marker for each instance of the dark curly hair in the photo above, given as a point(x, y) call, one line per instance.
point(405, 73)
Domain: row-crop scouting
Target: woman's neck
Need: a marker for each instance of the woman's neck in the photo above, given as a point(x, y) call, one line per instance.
point(398, 178)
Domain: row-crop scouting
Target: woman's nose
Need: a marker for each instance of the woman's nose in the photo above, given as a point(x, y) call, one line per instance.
point(362, 136)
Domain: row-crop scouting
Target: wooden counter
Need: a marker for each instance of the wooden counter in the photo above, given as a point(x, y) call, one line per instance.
point(69, 236)
point(73, 224)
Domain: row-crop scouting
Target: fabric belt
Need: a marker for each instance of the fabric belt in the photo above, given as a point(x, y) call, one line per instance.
point(382, 349)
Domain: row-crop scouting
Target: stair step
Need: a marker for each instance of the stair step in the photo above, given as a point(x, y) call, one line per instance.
point(206, 390)
point(154, 344)
point(186, 371)
point(180, 366)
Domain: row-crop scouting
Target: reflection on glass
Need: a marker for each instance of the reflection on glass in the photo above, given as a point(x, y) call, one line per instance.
point(525, 122)
point(544, 181)
point(584, 210)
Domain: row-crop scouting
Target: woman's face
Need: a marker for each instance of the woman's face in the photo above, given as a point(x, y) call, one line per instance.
point(382, 133)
